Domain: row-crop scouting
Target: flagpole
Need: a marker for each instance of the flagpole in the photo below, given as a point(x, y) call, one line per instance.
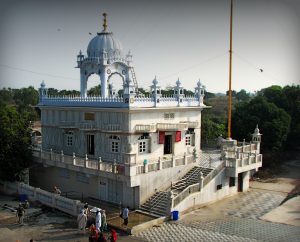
point(230, 71)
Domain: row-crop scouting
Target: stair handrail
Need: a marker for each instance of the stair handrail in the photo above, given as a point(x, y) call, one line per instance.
point(170, 181)
point(213, 173)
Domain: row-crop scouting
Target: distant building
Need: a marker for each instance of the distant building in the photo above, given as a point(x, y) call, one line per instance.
point(126, 149)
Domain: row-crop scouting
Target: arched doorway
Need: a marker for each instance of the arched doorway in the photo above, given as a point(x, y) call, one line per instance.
point(116, 80)
point(93, 85)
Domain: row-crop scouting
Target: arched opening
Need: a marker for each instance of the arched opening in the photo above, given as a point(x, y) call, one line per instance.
point(116, 80)
point(93, 85)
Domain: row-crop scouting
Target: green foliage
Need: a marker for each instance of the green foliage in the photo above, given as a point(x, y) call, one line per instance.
point(242, 95)
point(26, 96)
point(24, 99)
point(69, 93)
point(209, 95)
point(211, 130)
point(15, 154)
point(167, 92)
point(274, 122)
point(6, 96)
point(53, 92)
point(95, 91)
point(287, 98)
point(188, 92)
point(144, 92)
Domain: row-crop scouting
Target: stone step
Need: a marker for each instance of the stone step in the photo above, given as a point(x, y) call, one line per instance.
point(159, 204)
point(161, 212)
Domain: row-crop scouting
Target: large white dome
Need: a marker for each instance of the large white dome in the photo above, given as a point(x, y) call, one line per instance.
point(104, 42)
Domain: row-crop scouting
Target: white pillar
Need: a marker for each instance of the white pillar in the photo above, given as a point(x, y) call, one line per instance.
point(104, 84)
point(83, 85)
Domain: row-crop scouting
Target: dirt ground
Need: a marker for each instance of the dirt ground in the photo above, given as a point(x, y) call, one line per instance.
point(51, 225)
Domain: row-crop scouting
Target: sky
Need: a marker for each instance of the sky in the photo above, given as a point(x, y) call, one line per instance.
point(170, 39)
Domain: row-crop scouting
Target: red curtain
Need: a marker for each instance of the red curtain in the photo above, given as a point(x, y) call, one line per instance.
point(178, 136)
point(161, 137)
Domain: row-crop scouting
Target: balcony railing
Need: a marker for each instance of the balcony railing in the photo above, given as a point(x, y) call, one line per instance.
point(145, 128)
point(171, 126)
point(53, 158)
point(233, 162)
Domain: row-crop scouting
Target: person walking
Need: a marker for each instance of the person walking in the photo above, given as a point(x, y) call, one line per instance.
point(81, 220)
point(87, 212)
point(103, 221)
point(98, 220)
point(20, 213)
point(125, 215)
point(56, 190)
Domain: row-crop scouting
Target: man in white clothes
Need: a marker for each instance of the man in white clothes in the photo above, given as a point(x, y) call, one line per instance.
point(98, 220)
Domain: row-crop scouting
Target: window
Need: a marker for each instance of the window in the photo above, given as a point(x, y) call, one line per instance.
point(231, 181)
point(89, 116)
point(188, 140)
point(190, 137)
point(114, 143)
point(168, 116)
point(219, 187)
point(144, 143)
point(90, 144)
point(69, 137)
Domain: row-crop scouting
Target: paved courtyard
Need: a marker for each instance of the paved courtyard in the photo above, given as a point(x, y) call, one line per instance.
point(233, 219)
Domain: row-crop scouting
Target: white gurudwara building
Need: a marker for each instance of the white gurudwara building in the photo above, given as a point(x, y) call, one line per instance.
point(141, 151)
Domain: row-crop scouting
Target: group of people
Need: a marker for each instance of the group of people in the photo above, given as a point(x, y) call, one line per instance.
point(96, 226)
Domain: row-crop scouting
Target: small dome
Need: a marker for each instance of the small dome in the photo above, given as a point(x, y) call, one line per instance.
point(104, 42)
point(199, 84)
point(178, 83)
point(256, 131)
point(155, 82)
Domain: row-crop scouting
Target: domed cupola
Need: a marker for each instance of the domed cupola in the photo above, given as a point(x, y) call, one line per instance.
point(104, 43)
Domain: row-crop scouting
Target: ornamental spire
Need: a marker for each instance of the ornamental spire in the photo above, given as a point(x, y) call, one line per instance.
point(104, 22)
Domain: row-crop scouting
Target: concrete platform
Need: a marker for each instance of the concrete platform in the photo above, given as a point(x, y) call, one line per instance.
point(287, 213)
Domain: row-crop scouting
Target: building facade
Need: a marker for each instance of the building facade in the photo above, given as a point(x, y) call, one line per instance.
point(118, 148)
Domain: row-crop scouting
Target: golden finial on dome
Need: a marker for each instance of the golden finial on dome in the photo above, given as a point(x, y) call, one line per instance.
point(104, 22)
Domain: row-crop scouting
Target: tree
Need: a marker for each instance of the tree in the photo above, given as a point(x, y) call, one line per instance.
point(188, 92)
point(95, 91)
point(6, 96)
point(287, 98)
point(274, 122)
point(52, 92)
point(69, 93)
point(143, 92)
point(209, 95)
point(169, 91)
point(15, 153)
point(26, 96)
point(210, 130)
point(242, 95)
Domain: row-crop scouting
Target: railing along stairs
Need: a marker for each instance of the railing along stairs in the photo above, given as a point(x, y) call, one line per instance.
point(134, 80)
point(161, 203)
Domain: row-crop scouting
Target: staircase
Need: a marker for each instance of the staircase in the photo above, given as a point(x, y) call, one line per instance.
point(192, 177)
point(159, 203)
